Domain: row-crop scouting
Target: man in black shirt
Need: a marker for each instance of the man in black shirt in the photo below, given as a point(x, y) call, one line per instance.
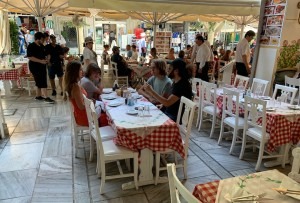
point(37, 66)
point(181, 87)
point(122, 66)
point(55, 55)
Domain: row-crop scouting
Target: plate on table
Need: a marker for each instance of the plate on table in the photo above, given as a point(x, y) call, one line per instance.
point(270, 109)
point(107, 91)
point(138, 96)
point(115, 104)
point(265, 97)
point(109, 97)
point(294, 107)
point(132, 112)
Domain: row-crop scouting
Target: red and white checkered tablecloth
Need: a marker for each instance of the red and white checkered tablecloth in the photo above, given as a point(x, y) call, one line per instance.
point(156, 132)
point(164, 137)
point(14, 74)
point(283, 129)
point(207, 192)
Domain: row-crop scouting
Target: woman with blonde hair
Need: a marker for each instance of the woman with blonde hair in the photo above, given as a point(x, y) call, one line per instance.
point(160, 82)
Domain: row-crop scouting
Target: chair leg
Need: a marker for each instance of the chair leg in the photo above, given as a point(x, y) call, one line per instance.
point(213, 126)
point(260, 155)
point(244, 141)
point(157, 166)
point(200, 119)
point(76, 142)
point(91, 148)
point(135, 170)
point(103, 174)
point(221, 132)
point(233, 140)
point(185, 168)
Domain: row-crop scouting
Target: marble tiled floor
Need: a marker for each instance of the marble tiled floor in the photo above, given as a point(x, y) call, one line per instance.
point(37, 162)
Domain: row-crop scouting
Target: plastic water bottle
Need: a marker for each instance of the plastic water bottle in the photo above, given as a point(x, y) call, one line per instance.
point(9, 62)
point(249, 93)
point(115, 85)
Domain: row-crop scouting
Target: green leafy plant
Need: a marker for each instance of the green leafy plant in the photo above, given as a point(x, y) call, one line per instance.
point(289, 55)
point(13, 32)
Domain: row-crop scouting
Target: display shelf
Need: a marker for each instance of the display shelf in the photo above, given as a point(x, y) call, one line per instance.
point(163, 42)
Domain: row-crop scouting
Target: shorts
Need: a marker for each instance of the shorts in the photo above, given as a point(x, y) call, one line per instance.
point(241, 69)
point(55, 70)
point(40, 75)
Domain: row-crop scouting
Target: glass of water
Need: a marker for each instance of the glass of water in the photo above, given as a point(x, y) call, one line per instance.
point(140, 111)
point(147, 110)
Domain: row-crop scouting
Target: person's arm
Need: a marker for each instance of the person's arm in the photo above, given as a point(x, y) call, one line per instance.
point(193, 56)
point(172, 99)
point(245, 60)
point(34, 59)
point(77, 95)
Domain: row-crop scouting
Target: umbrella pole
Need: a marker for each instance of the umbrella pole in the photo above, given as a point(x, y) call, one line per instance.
point(40, 22)
point(154, 29)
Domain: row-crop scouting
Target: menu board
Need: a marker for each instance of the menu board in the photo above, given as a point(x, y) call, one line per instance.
point(273, 22)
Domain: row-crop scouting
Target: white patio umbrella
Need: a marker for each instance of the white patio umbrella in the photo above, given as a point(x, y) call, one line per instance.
point(37, 8)
point(5, 44)
point(242, 21)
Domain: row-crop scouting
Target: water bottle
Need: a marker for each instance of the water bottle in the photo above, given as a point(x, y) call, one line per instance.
point(115, 85)
point(9, 62)
point(249, 93)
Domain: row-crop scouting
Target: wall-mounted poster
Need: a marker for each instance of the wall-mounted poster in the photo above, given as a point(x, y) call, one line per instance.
point(273, 21)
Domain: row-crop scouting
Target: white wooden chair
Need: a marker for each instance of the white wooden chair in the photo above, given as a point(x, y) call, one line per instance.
point(286, 92)
point(256, 131)
point(122, 80)
point(241, 81)
point(294, 174)
point(187, 110)
point(208, 104)
point(177, 188)
point(195, 82)
point(78, 129)
point(109, 152)
point(225, 72)
point(294, 82)
point(107, 133)
point(259, 86)
point(230, 115)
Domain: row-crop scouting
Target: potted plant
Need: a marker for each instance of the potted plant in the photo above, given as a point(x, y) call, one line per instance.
point(287, 60)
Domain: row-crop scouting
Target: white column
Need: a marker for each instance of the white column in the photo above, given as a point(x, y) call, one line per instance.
point(40, 22)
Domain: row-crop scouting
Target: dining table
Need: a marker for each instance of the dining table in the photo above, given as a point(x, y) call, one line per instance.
point(259, 185)
point(283, 122)
point(145, 131)
point(8, 74)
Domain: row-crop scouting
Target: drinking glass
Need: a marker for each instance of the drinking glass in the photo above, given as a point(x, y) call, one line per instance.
point(272, 103)
point(147, 110)
point(141, 111)
point(278, 101)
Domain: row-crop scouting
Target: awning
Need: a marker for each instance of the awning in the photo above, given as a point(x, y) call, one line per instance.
point(230, 7)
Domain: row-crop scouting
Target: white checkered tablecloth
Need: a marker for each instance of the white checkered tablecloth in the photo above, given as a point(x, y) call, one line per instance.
point(207, 192)
point(156, 132)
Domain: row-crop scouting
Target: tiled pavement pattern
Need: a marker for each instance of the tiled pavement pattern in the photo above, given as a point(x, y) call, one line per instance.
point(37, 162)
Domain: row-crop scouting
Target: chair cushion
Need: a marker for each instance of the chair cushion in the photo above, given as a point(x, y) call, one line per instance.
point(210, 110)
point(256, 133)
point(111, 149)
point(106, 132)
point(231, 122)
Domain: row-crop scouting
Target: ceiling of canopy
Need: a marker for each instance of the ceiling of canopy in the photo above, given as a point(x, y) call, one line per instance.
point(181, 10)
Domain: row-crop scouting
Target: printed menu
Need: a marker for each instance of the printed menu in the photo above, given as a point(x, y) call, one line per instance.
point(273, 21)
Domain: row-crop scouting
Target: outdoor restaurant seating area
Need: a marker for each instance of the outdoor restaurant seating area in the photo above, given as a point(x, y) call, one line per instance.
point(149, 101)
point(65, 160)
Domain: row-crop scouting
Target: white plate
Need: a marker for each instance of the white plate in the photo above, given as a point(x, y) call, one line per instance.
point(109, 97)
point(132, 112)
point(270, 109)
point(294, 107)
point(265, 97)
point(106, 91)
point(114, 104)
